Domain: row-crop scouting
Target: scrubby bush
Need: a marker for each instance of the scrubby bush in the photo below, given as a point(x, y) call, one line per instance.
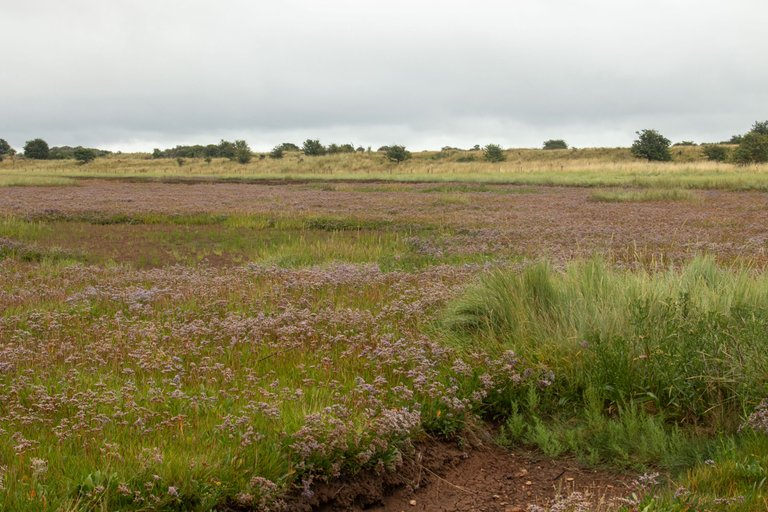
point(716, 152)
point(277, 152)
point(84, 155)
point(555, 144)
point(344, 148)
point(242, 152)
point(36, 149)
point(227, 149)
point(398, 154)
point(493, 153)
point(5, 149)
point(289, 146)
point(652, 146)
point(313, 148)
point(752, 150)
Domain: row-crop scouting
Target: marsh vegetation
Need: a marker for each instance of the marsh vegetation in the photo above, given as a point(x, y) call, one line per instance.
point(225, 336)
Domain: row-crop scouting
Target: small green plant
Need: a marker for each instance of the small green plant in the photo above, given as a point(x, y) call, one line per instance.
point(493, 153)
point(179, 161)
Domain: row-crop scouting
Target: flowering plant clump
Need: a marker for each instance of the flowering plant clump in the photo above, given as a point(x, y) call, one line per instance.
point(178, 386)
point(758, 420)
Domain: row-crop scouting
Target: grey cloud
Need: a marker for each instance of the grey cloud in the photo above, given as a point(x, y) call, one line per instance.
point(131, 73)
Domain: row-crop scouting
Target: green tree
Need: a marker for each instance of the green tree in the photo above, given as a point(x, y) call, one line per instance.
point(226, 149)
point(277, 152)
point(753, 149)
point(36, 149)
point(652, 146)
point(313, 148)
point(494, 153)
point(5, 149)
point(289, 146)
point(398, 154)
point(242, 152)
point(555, 144)
point(84, 155)
point(760, 127)
point(716, 152)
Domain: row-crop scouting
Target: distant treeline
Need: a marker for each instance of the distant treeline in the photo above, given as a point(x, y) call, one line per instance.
point(224, 149)
point(752, 147)
point(227, 149)
point(68, 152)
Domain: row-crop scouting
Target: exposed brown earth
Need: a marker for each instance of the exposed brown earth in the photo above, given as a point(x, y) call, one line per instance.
point(442, 477)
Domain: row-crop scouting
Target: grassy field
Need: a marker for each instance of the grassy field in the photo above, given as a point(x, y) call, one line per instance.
point(589, 167)
point(228, 346)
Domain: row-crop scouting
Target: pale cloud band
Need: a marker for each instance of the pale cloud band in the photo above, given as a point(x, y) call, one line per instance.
point(138, 74)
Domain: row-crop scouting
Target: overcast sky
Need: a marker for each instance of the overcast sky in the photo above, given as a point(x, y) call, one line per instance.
point(138, 74)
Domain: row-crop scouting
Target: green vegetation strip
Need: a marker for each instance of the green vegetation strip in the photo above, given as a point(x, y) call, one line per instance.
point(648, 370)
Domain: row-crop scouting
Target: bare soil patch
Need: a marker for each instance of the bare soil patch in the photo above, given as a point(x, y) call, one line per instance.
point(441, 476)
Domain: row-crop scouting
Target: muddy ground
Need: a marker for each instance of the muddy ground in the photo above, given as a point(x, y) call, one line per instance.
point(441, 476)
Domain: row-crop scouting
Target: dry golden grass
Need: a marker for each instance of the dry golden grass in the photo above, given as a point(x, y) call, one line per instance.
point(582, 167)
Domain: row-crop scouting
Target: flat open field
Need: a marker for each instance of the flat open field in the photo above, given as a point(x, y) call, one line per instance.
point(392, 224)
point(448, 345)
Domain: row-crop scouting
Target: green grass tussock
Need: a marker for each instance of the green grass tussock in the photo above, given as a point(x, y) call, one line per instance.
point(650, 370)
point(688, 342)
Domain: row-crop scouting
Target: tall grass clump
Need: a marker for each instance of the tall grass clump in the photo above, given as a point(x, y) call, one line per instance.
point(685, 347)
